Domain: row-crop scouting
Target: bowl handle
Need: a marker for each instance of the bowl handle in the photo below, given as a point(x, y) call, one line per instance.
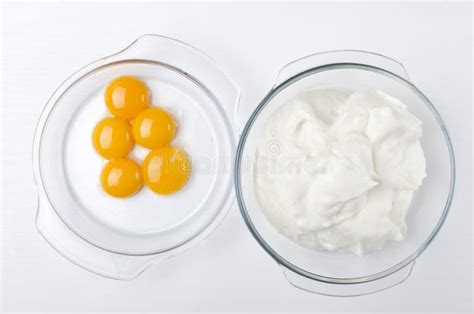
point(313, 61)
point(340, 56)
point(347, 289)
point(84, 254)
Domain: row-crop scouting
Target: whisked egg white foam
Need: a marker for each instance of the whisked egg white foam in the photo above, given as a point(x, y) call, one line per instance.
point(336, 169)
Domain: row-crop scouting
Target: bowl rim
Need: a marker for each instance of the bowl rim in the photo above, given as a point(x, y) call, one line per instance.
point(112, 60)
point(237, 177)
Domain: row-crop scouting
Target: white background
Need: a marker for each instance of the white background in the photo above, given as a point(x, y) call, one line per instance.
point(44, 43)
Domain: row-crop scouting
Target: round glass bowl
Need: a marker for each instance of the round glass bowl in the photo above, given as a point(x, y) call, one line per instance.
point(67, 169)
point(347, 274)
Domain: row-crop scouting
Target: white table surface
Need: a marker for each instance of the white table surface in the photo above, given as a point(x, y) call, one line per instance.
point(44, 43)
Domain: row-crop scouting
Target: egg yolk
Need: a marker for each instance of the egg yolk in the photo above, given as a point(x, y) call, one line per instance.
point(121, 177)
point(112, 138)
point(153, 128)
point(166, 169)
point(126, 97)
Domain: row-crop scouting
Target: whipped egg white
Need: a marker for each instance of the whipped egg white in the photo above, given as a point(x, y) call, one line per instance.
point(336, 169)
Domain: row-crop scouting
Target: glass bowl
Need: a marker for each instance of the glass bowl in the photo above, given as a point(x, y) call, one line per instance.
point(347, 274)
point(119, 238)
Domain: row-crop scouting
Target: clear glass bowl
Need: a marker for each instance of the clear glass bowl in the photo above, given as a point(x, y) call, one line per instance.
point(119, 238)
point(346, 274)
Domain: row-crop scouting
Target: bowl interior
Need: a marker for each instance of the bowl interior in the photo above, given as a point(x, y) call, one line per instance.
point(145, 223)
point(427, 210)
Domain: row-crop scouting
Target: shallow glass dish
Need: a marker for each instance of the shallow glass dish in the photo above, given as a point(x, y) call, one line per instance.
point(119, 238)
point(346, 274)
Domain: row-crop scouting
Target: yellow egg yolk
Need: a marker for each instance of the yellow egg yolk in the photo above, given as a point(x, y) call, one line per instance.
point(153, 128)
point(121, 177)
point(112, 138)
point(166, 169)
point(126, 97)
